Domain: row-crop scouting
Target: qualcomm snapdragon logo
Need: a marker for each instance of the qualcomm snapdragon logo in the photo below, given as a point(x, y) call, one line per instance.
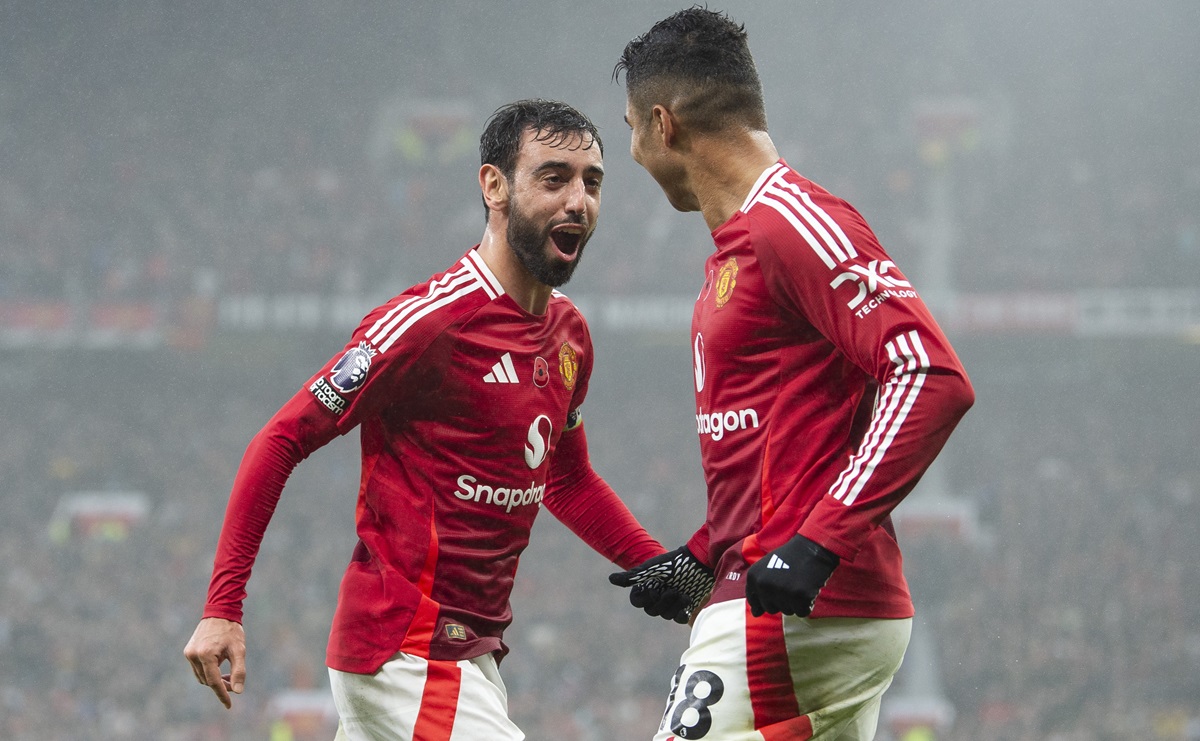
point(508, 497)
point(538, 441)
point(537, 447)
point(716, 424)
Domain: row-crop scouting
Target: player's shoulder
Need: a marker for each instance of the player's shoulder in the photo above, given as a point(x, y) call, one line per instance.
point(787, 209)
point(565, 313)
point(783, 198)
point(560, 301)
point(562, 307)
point(427, 308)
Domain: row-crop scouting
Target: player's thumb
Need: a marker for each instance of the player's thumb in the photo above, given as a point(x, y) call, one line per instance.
point(752, 600)
point(237, 673)
point(622, 578)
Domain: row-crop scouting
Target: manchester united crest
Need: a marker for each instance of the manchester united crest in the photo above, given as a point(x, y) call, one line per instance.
point(568, 365)
point(726, 281)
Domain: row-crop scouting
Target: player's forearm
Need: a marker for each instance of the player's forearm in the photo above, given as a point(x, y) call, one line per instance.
point(911, 424)
point(588, 506)
point(291, 435)
point(593, 511)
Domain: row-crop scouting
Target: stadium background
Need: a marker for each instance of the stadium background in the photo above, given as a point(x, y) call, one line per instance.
point(198, 200)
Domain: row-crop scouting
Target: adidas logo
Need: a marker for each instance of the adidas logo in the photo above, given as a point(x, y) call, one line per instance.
point(777, 563)
point(503, 371)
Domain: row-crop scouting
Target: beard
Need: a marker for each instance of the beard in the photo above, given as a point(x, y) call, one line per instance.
point(528, 242)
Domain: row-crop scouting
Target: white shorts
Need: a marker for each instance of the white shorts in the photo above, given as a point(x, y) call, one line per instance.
point(412, 699)
point(773, 677)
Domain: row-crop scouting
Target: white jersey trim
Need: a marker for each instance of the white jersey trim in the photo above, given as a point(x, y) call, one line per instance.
point(472, 275)
point(446, 284)
point(892, 405)
point(380, 326)
point(491, 283)
point(777, 200)
point(758, 184)
point(425, 308)
point(813, 223)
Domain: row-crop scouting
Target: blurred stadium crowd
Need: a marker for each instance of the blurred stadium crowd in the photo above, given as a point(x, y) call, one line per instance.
point(1070, 616)
point(133, 169)
point(171, 175)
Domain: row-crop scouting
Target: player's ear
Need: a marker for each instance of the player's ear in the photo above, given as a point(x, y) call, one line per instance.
point(664, 124)
point(494, 186)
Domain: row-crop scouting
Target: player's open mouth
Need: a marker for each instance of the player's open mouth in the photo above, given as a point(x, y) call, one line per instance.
point(566, 239)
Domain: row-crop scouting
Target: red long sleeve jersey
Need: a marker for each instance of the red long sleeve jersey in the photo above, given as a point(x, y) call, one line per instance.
point(824, 389)
point(468, 407)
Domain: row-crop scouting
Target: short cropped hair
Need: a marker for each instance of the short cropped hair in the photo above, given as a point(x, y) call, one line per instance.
point(698, 61)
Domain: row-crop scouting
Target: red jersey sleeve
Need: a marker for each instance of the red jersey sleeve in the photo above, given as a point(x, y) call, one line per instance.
point(582, 500)
point(353, 384)
point(698, 544)
point(297, 429)
point(588, 506)
point(833, 273)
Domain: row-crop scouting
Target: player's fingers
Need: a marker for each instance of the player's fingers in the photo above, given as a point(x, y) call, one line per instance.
point(665, 604)
point(771, 604)
point(213, 678)
point(654, 607)
point(672, 605)
point(806, 608)
point(642, 596)
point(196, 662)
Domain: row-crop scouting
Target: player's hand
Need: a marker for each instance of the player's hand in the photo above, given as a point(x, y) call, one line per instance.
point(214, 642)
point(671, 585)
point(788, 579)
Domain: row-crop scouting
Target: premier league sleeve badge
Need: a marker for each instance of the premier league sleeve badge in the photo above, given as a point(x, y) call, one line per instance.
point(350, 373)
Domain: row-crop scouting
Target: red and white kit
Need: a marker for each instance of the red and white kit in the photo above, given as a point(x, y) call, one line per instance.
point(469, 414)
point(824, 389)
point(820, 394)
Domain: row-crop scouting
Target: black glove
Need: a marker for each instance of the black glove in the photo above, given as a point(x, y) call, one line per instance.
point(670, 585)
point(788, 578)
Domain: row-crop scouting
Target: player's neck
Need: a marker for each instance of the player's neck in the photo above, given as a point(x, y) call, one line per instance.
point(725, 168)
point(526, 291)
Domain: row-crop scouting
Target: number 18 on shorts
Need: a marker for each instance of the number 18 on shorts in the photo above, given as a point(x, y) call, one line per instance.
point(688, 714)
point(746, 678)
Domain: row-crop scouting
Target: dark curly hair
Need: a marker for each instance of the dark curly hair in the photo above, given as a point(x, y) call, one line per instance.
point(552, 121)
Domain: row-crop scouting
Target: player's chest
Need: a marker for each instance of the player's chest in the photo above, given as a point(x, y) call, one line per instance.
point(734, 318)
point(498, 373)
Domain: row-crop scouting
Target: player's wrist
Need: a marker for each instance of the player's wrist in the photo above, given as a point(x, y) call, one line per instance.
point(803, 550)
point(686, 549)
point(222, 613)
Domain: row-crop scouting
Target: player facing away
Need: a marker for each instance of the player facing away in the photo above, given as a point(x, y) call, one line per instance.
point(824, 389)
point(467, 390)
